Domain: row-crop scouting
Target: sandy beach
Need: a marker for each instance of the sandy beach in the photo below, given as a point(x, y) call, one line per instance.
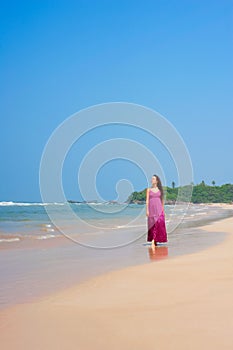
point(180, 303)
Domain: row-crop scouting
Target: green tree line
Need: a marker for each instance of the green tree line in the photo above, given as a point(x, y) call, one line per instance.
point(201, 193)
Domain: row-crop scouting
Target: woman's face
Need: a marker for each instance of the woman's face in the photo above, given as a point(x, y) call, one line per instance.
point(154, 180)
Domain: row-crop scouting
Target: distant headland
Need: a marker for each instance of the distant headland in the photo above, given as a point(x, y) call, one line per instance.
point(201, 193)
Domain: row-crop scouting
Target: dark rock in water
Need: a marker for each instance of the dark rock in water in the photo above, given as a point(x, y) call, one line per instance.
point(71, 201)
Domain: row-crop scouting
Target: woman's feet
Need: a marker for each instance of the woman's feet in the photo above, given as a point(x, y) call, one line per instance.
point(153, 244)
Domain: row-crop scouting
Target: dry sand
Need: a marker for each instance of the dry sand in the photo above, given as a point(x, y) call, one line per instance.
point(180, 303)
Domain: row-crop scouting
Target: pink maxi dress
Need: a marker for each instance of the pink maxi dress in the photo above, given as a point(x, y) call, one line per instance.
point(156, 218)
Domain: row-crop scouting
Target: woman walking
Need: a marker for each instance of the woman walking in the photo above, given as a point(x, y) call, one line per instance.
point(155, 212)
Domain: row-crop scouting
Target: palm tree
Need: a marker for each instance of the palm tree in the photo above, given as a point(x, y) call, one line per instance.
point(213, 183)
point(173, 184)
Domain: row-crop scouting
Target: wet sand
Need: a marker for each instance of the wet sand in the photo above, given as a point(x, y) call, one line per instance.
point(179, 303)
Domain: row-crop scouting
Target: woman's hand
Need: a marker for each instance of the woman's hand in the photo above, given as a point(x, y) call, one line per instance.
point(147, 213)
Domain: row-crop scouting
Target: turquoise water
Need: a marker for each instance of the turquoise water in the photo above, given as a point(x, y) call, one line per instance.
point(31, 220)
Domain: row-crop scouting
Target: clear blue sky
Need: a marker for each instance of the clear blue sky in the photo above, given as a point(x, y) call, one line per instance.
point(58, 57)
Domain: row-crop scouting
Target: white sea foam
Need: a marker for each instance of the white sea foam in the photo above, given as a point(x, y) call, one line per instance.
point(45, 237)
point(4, 204)
point(2, 240)
point(47, 227)
point(128, 226)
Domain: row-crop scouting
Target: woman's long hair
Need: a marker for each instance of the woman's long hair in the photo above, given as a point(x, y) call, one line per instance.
point(160, 187)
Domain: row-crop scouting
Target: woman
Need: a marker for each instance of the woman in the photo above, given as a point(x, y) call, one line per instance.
point(155, 212)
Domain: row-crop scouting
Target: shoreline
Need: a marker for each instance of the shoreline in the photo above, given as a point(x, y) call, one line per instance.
point(182, 302)
point(55, 265)
point(10, 240)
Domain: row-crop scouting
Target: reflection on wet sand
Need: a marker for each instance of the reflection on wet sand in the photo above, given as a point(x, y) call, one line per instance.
point(158, 252)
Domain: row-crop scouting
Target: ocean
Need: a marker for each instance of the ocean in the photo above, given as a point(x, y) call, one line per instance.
point(46, 247)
